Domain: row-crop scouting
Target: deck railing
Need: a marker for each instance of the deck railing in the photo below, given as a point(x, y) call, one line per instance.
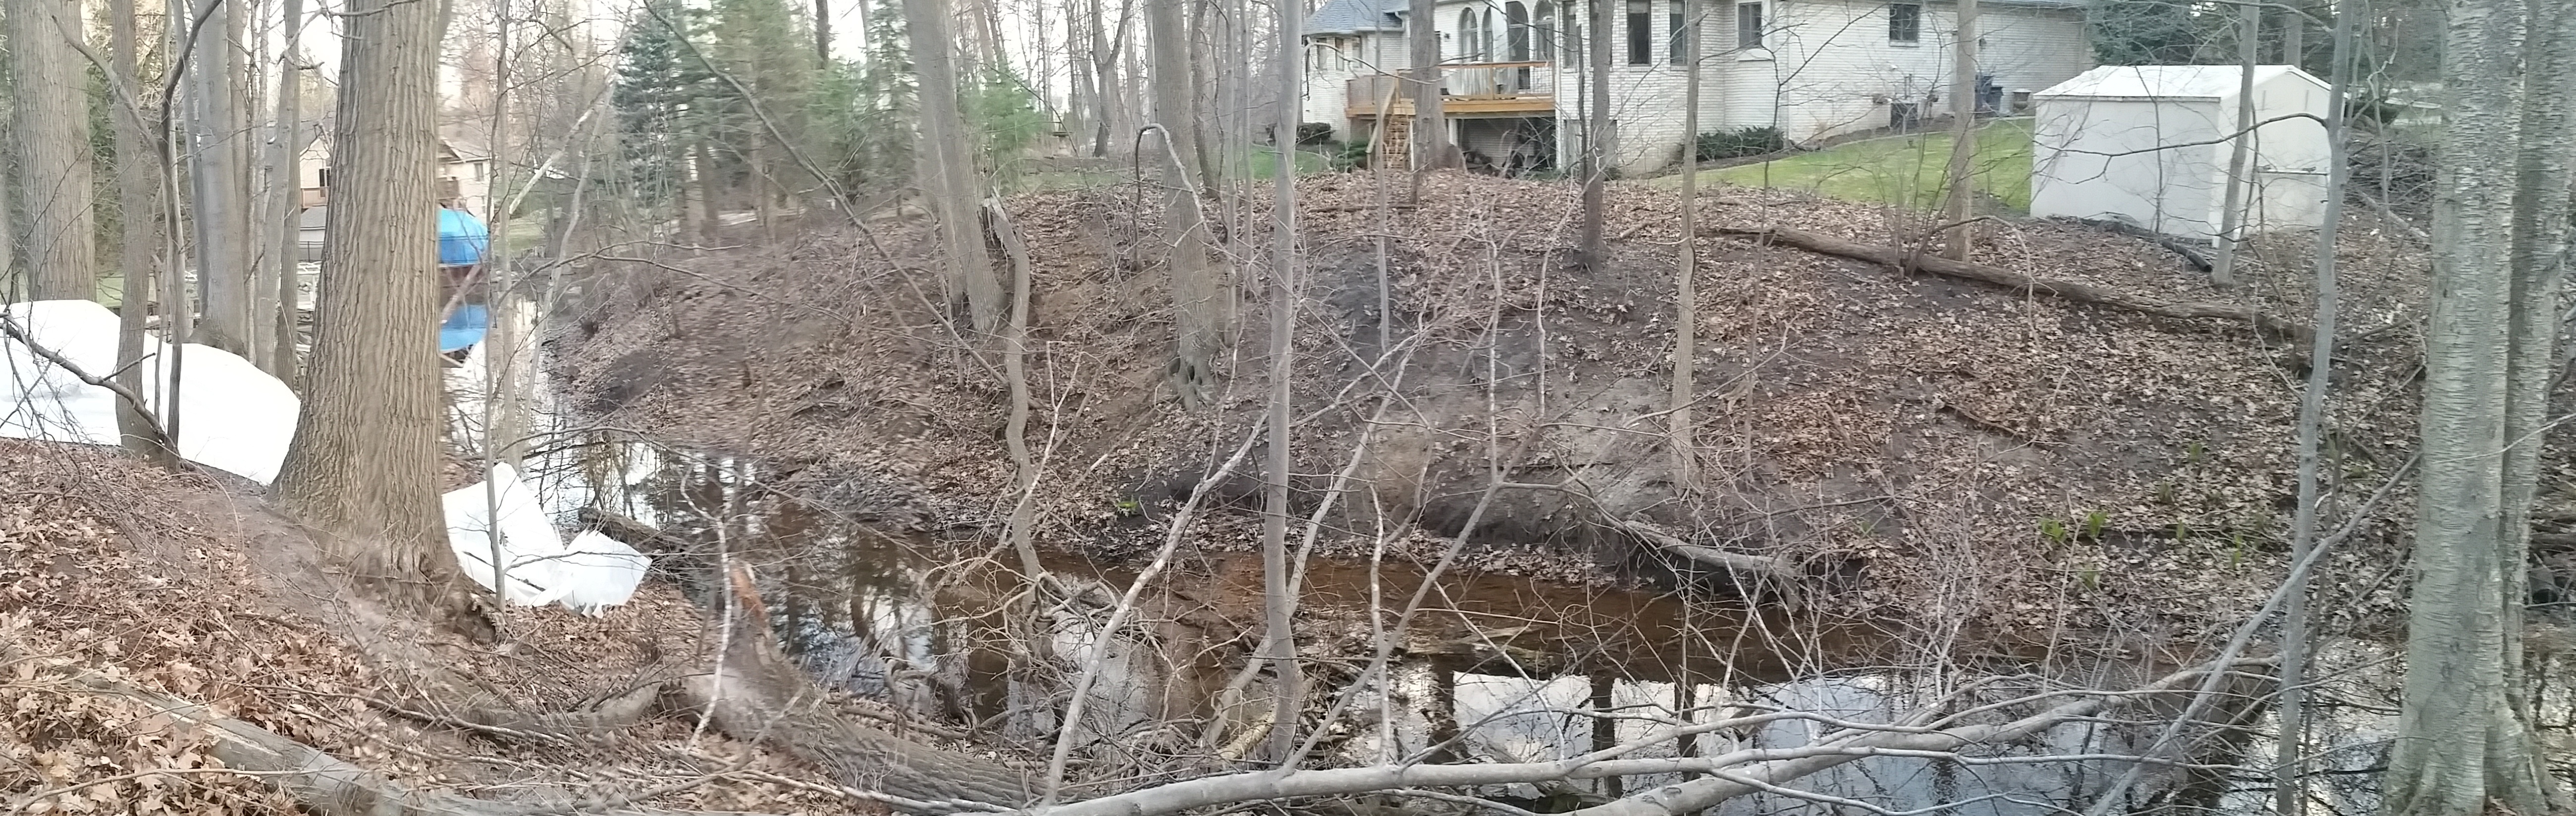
point(1502, 82)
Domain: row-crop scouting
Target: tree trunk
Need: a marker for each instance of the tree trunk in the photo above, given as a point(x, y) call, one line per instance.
point(53, 149)
point(2240, 154)
point(138, 199)
point(1430, 132)
point(947, 172)
point(1963, 137)
point(2464, 735)
point(1596, 137)
point(823, 33)
point(2290, 782)
point(363, 468)
point(220, 188)
point(1685, 287)
point(1277, 597)
point(1198, 302)
point(286, 156)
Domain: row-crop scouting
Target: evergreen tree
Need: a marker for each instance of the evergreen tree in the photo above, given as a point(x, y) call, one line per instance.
point(659, 96)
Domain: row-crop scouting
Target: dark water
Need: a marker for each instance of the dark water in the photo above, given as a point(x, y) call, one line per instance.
point(1496, 668)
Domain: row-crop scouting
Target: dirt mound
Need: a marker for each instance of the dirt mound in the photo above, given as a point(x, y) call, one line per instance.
point(122, 576)
point(1930, 435)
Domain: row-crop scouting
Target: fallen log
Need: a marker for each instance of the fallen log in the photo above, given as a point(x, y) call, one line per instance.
point(319, 782)
point(2070, 290)
point(1769, 567)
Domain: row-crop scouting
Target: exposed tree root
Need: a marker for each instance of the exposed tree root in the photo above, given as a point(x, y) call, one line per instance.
point(2070, 290)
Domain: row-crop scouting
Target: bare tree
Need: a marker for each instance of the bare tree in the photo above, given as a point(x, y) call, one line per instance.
point(1596, 137)
point(1429, 132)
point(2465, 739)
point(1279, 639)
point(286, 220)
point(1198, 303)
point(1685, 287)
point(220, 188)
point(138, 201)
point(947, 173)
point(364, 464)
point(52, 133)
point(2240, 152)
point(1963, 136)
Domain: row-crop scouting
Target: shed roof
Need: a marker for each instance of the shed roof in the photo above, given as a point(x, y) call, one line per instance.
point(2169, 81)
point(1354, 16)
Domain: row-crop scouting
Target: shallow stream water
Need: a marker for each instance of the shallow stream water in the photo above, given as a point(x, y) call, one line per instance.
point(1494, 667)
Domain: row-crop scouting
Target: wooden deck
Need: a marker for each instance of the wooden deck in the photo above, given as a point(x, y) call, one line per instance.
point(1487, 89)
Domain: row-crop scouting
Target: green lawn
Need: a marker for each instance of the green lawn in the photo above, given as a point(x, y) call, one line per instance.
point(1901, 170)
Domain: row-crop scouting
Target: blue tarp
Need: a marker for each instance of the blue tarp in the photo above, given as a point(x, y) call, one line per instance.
point(464, 328)
point(462, 238)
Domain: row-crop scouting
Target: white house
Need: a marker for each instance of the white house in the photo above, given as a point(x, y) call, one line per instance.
point(464, 173)
point(1515, 74)
point(2151, 144)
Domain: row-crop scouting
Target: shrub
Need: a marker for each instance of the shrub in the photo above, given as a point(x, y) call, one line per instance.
point(1354, 155)
point(1736, 144)
point(1309, 133)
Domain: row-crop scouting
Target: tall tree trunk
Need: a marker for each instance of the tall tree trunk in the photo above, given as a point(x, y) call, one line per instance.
point(1277, 602)
point(363, 468)
point(823, 33)
point(220, 189)
point(947, 172)
point(1685, 285)
point(1429, 132)
point(2240, 154)
point(286, 156)
point(2465, 736)
point(1198, 300)
point(1596, 137)
point(53, 149)
point(1963, 137)
point(2290, 781)
point(138, 200)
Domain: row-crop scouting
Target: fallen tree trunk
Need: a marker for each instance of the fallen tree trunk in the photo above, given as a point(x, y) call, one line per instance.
point(1730, 775)
point(2070, 290)
point(319, 782)
point(1769, 567)
point(756, 694)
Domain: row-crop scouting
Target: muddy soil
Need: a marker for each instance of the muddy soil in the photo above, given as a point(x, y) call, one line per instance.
point(1893, 437)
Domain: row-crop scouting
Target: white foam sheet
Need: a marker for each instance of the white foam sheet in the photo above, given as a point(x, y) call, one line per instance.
point(232, 416)
point(592, 573)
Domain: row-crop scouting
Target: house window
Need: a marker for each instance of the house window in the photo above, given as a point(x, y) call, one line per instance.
point(1641, 32)
point(1469, 39)
point(1681, 29)
point(322, 177)
point(1546, 34)
point(1748, 25)
point(1904, 22)
point(1517, 16)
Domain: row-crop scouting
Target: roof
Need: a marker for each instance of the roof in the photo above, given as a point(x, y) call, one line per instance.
point(1355, 16)
point(2168, 81)
point(465, 147)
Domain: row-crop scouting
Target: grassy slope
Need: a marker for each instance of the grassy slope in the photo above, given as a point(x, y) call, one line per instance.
point(1903, 170)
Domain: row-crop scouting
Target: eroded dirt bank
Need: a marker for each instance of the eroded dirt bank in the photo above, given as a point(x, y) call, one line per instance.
point(2038, 463)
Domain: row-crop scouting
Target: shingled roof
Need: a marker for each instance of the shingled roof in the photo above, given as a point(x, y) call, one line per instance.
point(1355, 16)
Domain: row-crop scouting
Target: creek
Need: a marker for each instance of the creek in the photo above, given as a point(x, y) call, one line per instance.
point(1494, 667)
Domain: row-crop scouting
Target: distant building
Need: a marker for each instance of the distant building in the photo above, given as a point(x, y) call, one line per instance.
point(2151, 144)
point(465, 169)
point(1515, 77)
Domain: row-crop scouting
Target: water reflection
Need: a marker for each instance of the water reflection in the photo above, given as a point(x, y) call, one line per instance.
point(1498, 668)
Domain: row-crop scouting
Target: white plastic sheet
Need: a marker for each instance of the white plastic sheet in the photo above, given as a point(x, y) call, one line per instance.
point(592, 573)
point(232, 416)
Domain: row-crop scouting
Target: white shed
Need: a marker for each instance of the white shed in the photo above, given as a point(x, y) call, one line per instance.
point(2151, 143)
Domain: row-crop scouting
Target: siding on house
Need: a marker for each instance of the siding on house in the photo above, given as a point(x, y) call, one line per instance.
point(1824, 67)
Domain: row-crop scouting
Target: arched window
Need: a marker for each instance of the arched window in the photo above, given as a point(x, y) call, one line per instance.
point(1517, 16)
point(1468, 37)
point(1485, 48)
point(1546, 33)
